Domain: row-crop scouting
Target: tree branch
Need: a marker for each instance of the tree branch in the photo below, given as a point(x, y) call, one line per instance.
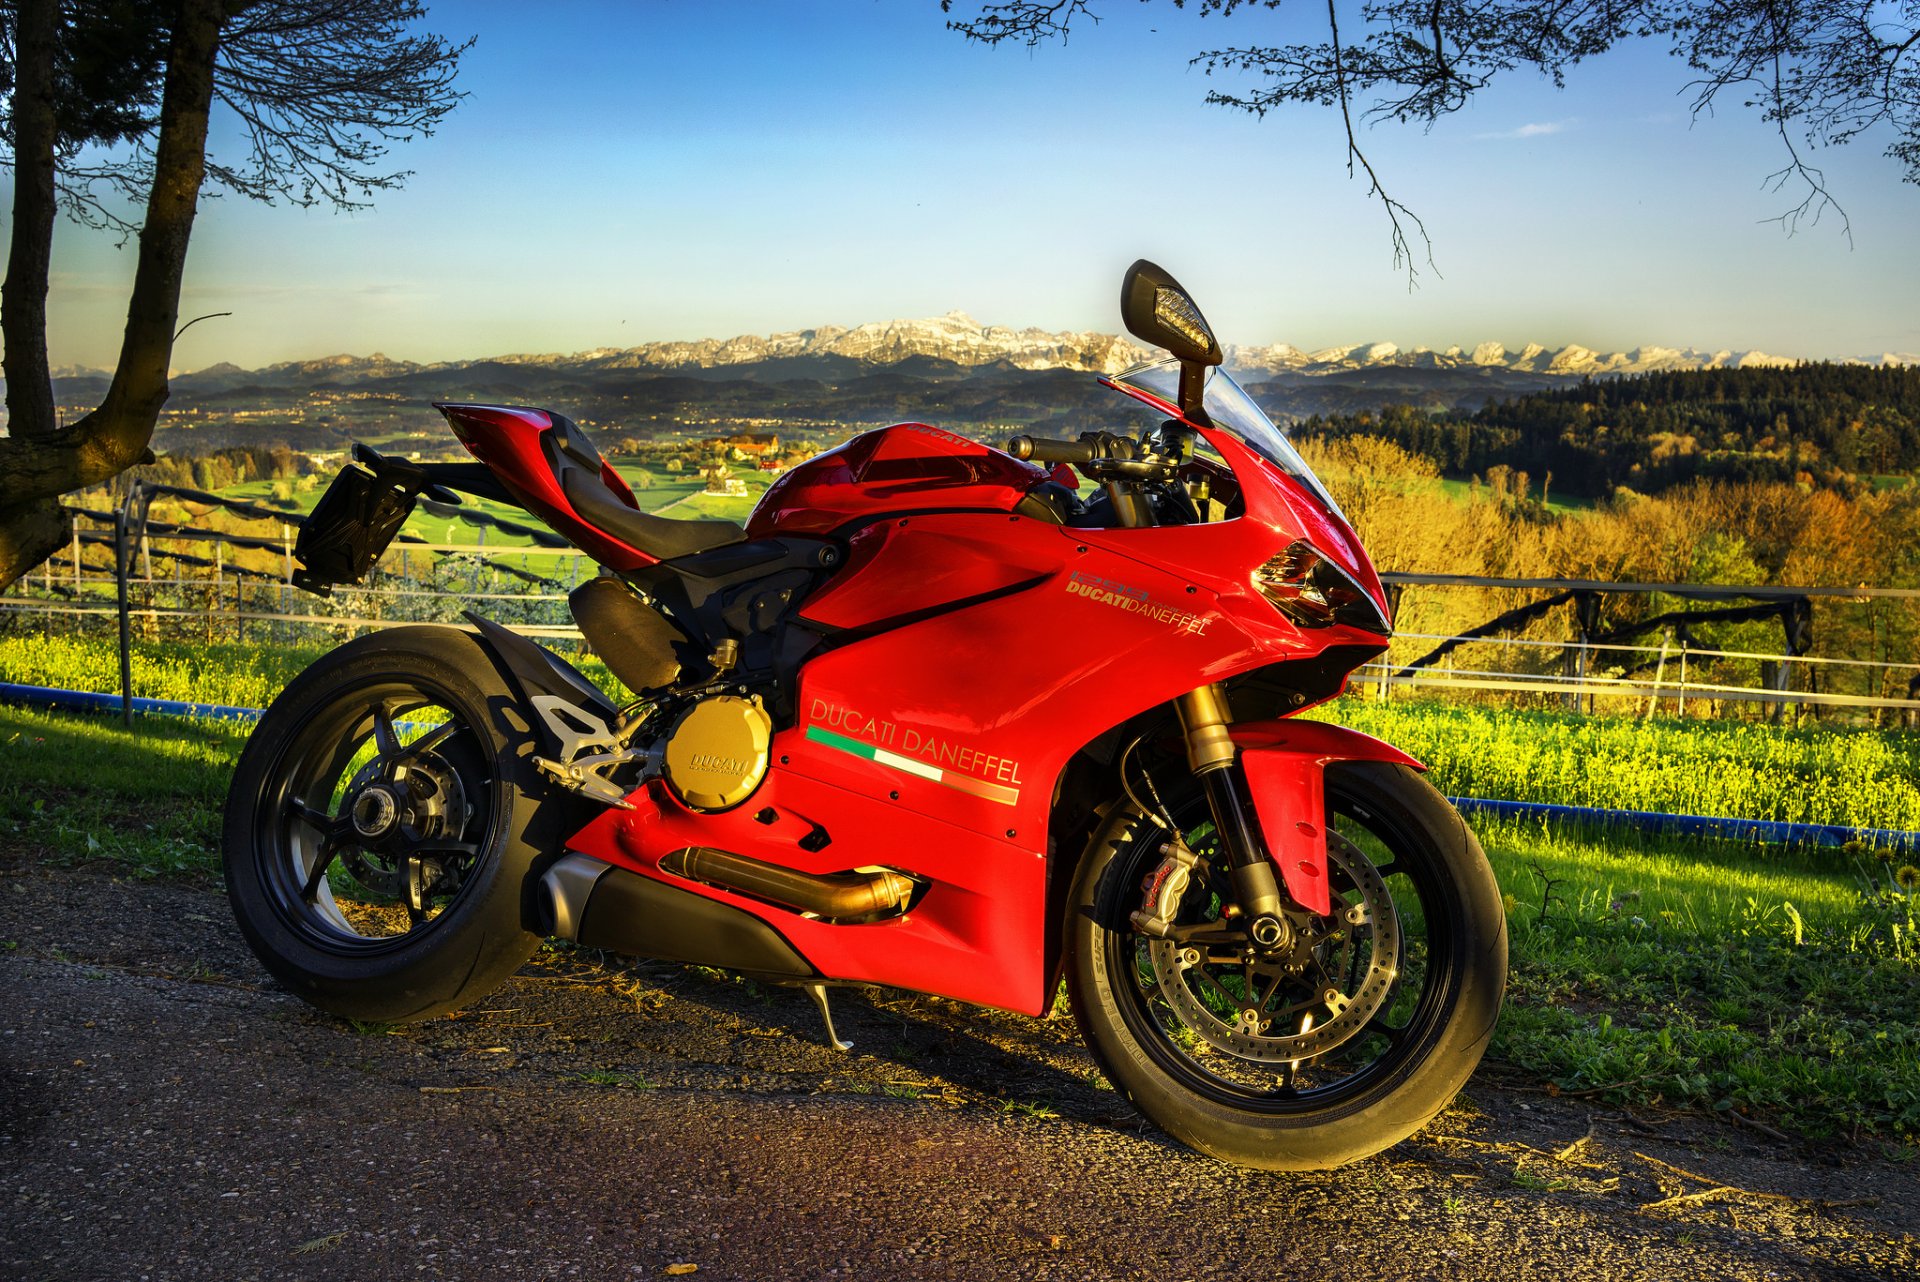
point(1031, 22)
point(1402, 252)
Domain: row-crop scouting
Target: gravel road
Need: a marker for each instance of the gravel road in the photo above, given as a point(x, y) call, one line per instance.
point(167, 1113)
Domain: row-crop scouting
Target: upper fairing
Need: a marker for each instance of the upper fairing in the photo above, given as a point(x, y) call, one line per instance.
point(908, 467)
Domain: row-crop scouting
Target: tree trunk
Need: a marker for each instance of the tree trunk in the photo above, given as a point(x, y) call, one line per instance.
point(23, 300)
point(31, 531)
point(37, 468)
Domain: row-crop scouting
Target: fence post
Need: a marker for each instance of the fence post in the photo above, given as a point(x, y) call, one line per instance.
point(1685, 643)
point(121, 558)
point(1659, 672)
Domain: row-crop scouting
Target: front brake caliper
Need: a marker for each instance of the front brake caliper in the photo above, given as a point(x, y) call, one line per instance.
point(1165, 887)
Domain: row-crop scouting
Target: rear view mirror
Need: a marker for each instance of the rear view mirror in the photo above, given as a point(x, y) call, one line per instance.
point(1156, 310)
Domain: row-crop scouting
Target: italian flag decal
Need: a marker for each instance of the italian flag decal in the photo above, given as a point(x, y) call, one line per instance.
point(946, 778)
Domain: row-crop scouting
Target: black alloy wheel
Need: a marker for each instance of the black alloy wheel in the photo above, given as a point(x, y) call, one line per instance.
point(1339, 1039)
point(384, 825)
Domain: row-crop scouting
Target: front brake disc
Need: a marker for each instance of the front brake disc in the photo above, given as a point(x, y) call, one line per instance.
point(1257, 1007)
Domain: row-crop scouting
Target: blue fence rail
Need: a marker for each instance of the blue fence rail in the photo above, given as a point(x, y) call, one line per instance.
point(1647, 821)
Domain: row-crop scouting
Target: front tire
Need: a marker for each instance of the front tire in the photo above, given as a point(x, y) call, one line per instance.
point(1216, 1043)
point(382, 827)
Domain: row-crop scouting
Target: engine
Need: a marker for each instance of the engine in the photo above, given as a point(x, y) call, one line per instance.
point(715, 754)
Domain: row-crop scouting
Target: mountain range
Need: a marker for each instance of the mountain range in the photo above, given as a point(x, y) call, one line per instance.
point(948, 369)
point(958, 339)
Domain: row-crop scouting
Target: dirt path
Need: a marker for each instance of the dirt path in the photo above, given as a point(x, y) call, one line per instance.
point(167, 1113)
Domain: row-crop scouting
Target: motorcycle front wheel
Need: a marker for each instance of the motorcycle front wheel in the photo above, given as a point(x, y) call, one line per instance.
point(383, 826)
point(1347, 1038)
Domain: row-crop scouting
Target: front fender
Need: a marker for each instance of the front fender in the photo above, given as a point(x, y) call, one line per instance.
point(1286, 765)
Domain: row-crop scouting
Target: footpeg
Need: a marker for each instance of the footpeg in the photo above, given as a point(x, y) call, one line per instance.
point(576, 730)
point(819, 994)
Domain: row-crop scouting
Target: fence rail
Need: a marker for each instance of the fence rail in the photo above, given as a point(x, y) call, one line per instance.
point(72, 587)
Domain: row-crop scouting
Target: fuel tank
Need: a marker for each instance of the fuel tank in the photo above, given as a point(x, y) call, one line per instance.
point(909, 467)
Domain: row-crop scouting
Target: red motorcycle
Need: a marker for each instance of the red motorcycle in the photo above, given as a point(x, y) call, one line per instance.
point(929, 720)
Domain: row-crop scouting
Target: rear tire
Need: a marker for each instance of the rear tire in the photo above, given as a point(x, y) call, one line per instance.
point(428, 914)
point(1226, 1088)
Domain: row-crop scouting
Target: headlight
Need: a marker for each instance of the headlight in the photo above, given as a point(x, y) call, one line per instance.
point(1314, 592)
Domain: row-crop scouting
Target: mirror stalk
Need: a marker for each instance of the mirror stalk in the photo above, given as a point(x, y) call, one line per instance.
point(1193, 384)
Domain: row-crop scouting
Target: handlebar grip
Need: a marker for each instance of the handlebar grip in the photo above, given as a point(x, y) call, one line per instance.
point(1040, 450)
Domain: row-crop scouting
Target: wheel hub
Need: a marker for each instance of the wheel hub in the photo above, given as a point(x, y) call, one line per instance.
point(374, 811)
point(394, 806)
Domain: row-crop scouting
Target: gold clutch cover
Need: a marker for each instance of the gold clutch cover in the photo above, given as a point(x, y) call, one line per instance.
point(717, 752)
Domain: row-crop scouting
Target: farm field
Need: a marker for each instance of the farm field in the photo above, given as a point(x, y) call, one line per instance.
point(1709, 975)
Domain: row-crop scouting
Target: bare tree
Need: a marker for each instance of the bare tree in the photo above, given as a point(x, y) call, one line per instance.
point(111, 99)
point(1821, 72)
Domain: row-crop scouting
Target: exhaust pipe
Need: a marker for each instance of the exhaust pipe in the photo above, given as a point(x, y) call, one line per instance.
point(835, 896)
point(600, 906)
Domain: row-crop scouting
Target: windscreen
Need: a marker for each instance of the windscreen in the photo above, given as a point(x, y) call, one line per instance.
point(1158, 384)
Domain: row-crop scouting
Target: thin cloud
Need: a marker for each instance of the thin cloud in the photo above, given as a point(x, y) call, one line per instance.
point(1532, 129)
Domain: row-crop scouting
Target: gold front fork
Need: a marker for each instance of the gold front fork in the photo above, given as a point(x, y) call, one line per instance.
point(1204, 716)
point(1211, 755)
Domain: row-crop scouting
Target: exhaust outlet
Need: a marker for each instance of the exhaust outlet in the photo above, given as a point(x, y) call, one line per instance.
point(564, 890)
point(598, 905)
point(835, 896)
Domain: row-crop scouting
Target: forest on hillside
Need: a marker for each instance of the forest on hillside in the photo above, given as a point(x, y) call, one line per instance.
point(1820, 424)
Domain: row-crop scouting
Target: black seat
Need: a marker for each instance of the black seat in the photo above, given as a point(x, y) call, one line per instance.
point(659, 536)
point(576, 464)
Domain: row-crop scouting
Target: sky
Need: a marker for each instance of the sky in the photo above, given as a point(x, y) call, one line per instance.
point(682, 169)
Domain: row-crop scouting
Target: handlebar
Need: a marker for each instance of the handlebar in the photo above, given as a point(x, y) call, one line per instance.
point(1041, 450)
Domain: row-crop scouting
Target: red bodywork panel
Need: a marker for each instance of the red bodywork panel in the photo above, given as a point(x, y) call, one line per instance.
point(909, 467)
point(507, 440)
point(1286, 763)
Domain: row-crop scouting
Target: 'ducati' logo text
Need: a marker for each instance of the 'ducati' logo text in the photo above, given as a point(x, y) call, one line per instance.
point(1138, 601)
point(915, 752)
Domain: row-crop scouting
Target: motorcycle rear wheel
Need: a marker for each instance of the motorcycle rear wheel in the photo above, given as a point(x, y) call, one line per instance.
point(383, 826)
point(1199, 1037)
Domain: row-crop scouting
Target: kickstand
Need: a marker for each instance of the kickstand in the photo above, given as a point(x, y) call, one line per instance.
point(819, 994)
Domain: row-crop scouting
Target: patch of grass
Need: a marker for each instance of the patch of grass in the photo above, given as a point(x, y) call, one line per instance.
point(86, 788)
point(1746, 770)
point(1681, 976)
point(246, 676)
point(373, 1027)
point(228, 673)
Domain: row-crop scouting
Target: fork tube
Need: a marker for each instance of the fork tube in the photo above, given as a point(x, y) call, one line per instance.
point(1211, 755)
point(1130, 509)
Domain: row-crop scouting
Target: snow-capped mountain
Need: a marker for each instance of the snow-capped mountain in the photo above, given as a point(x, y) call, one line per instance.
point(958, 339)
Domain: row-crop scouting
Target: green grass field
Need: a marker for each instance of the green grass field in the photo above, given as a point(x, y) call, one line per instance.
point(1710, 975)
point(1558, 504)
point(656, 490)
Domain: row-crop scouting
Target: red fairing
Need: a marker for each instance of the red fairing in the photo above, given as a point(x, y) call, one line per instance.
point(982, 651)
point(507, 440)
point(1285, 763)
point(1322, 528)
point(903, 468)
